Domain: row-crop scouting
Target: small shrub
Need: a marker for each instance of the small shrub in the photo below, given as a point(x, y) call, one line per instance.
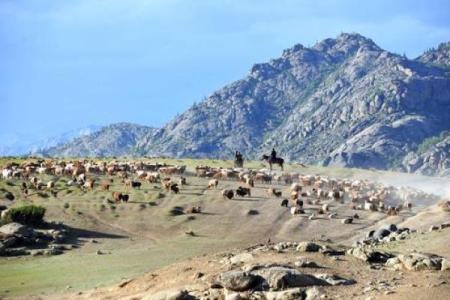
point(27, 215)
point(66, 205)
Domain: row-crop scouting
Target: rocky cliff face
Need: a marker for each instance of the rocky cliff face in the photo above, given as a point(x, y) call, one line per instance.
point(344, 102)
point(114, 140)
point(439, 57)
point(434, 161)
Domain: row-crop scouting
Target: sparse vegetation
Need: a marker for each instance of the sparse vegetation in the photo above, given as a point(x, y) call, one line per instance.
point(27, 215)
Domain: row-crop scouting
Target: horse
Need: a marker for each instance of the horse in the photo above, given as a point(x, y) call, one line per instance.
point(273, 160)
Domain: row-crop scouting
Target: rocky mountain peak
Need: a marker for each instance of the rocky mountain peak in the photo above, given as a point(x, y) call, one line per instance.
point(439, 56)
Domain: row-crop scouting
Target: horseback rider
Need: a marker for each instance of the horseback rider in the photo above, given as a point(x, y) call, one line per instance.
point(273, 154)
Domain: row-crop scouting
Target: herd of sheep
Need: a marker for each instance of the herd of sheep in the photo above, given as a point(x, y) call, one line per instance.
point(310, 189)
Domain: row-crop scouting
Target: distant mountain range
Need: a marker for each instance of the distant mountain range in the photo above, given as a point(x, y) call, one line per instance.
point(342, 102)
point(22, 144)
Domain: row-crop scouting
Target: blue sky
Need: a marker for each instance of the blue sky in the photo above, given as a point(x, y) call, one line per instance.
point(68, 64)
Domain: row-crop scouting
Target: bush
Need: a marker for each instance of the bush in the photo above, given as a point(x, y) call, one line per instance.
point(27, 215)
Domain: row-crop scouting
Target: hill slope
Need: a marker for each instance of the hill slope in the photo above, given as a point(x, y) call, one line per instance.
point(114, 140)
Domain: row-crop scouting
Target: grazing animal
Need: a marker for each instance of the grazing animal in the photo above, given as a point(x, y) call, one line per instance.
point(285, 202)
point(89, 184)
point(105, 185)
point(125, 198)
point(250, 182)
point(299, 203)
point(213, 183)
point(227, 194)
point(296, 210)
point(133, 184)
point(273, 192)
point(295, 187)
point(174, 188)
point(242, 191)
point(294, 195)
point(182, 180)
point(117, 196)
point(50, 185)
point(273, 160)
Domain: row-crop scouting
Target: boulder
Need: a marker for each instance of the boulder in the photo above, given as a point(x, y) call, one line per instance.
point(381, 233)
point(445, 264)
point(306, 264)
point(347, 221)
point(237, 280)
point(241, 258)
point(335, 279)
point(308, 247)
point(369, 255)
point(173, 294)
point(279, 277)
point(16, 229)
point(416, 262)
point(290, 294)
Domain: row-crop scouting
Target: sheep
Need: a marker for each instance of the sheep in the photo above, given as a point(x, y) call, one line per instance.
point(295, 187)
point(250, 182)
point(273, 192)
point(182, 181)
point(174, 188)
point(242, 191)
point(89, 184)
point(213, 183)
point(117, 196)
point(284, 203)
point(294, 195)
point(50, 184)
point(325, 207)
point(296, 210)
point(105, 186)
point(299, 203)
point(133, 184)
point(227, 194)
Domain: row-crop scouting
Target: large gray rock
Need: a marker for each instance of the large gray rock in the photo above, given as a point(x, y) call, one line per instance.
point(279, 277)
point(308, 247)
point(369, 255)
point(237, 280)
point(416, 262)
point(173, 294)
point(17, 230)
point(290, 294)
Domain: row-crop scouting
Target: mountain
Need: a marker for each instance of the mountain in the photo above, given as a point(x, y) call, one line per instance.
point(23, 144)
point(118, 139)
point(439, 57)
point(342, 102)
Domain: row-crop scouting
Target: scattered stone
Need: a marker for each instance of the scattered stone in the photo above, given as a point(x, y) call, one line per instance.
point(434, 228)
point(416, 262)
point(241, 258)
point(280, 277)
point(308, 247)
point(347, 221)
point(168, 295)
point(306, 264)
point(237, 280)
point(369, 255)
point(445, 264)
point(335, 279)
